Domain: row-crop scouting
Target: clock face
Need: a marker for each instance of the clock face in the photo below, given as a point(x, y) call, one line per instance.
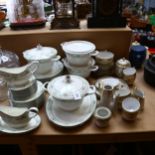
point(107, 7)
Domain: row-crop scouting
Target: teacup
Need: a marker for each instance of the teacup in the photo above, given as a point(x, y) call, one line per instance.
point(17, 117)
point(129, 75)
point(130, 108)
point(102, 116)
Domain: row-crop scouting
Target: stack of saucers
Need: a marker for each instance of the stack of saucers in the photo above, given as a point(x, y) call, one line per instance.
point(78, 59)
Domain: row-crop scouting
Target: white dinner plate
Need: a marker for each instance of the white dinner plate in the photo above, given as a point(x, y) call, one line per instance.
point(33, 124)
point(71, 118)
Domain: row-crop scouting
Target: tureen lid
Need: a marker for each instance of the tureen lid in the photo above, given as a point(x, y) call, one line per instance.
point(68, 87)
point(39, 53)
point(78, 47)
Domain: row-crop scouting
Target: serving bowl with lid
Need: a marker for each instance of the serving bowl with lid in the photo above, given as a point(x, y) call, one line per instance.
point(79, 52)
point(44, 55)
point(68, 91)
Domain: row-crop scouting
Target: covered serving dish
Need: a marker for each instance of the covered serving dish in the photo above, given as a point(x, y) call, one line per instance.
point(45, 55)
point(68, 91)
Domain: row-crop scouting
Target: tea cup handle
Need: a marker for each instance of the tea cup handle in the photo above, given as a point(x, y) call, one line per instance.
point(94, 68)
point(58, 57)
point(45, 86)
point(34, 110)
point(95, 53)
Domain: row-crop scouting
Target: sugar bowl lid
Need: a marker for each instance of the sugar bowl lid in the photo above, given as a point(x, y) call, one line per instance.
point(68, 87)
point(78, 47)
point(123, 62)
point(39, 53)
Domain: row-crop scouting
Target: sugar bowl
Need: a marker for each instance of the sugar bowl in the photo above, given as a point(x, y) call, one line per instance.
point(44, 55)
point(120, 65)
point(68, 91)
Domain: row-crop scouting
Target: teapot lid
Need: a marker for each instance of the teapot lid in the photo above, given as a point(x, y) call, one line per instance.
point(39, 53)
point(68, 87)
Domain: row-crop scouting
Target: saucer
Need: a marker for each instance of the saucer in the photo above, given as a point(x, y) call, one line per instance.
point(73, 118)
point(35, 100)
point(33, 124)
point(56, 69)
point(112, 81)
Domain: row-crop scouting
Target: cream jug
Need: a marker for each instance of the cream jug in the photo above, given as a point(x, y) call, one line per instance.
point(107, 98)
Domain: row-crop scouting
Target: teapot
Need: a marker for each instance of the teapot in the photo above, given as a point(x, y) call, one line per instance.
point(19, 76)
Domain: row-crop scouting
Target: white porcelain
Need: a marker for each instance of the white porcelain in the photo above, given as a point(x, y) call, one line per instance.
point(31, 125)
point(45, 55)
point(130, 108)
point(73, 118)
point(19, 76)
point(79, 52)
point(35, 100)
point(102, 116)
point(107, 97)
point(68, 91)
point(24, 93)
point(83, 71)
point(56, 69)
point(17, 117)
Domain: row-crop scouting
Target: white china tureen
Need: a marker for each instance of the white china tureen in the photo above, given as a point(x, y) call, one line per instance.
point(68, 91)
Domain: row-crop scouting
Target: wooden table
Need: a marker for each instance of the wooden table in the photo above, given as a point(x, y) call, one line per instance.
point(117, 40)
point(143, 129)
